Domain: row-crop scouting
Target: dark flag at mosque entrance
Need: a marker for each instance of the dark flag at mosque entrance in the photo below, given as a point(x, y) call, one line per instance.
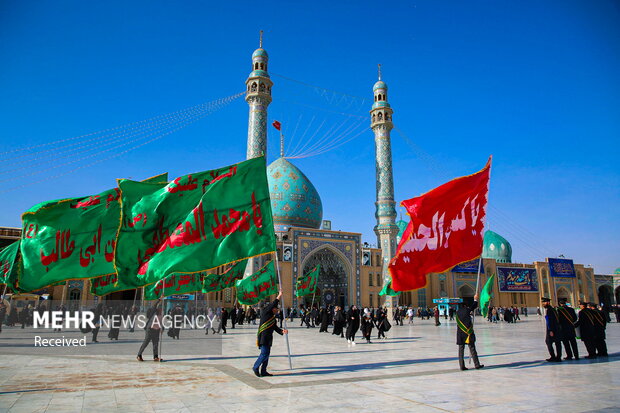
point(446, 229)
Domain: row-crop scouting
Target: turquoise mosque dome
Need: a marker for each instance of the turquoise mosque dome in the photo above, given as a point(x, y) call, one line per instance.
point(401, 229)
point(380, 85)
point(496, 247)
point(617, 271)
point(260, 52)
point(295, 202)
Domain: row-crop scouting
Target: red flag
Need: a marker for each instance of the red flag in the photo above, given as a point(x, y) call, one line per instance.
point(446, 229)
point(277, 124)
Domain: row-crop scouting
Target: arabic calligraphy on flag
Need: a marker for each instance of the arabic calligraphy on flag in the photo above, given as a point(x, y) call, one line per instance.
point(307, 284)
point(174, 284)
point(446, 228)
point(219, 282)
point(68, 239)
point(195, 223)
point(258, 286)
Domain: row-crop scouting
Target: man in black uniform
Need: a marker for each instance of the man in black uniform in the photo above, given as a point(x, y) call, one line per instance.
point(586, 329)
point(553, 333)
point(264, 337)
point(600, 323)
point(568, 317)
point(465, 334)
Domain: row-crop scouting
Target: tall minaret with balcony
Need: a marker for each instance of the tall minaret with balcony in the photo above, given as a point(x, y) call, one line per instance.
point(386, 228)
point(258, 96)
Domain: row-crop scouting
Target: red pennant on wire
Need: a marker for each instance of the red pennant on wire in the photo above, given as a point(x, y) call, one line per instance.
point(277, 125)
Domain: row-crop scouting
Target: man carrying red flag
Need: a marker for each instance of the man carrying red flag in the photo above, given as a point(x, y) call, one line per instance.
point(446, 229)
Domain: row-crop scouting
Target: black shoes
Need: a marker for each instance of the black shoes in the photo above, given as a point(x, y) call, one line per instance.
point(256, 373)
point(480, 366)
point(464, 368)
point(265, 374)
point(554, 360)
point(139, 358)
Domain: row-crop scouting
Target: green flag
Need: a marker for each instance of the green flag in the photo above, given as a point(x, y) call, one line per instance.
point(174, 284)
point(68, 239)
point(258, 286)
point(307, 284)
point(219, 282)
point(9, 265)
point(387, 289)
point(485, 295)
point(195, 223)
point(110, 283)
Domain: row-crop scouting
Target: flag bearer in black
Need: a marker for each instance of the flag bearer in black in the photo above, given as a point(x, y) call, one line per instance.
point(568, 317)
point(553, 333)
point(465, 334)
point(600, 323)
point(264, 337)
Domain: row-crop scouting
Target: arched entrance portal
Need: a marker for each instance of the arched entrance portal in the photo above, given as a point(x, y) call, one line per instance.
point(563, 293)
point(466, 292)
point(605, 296)
point(332, 286)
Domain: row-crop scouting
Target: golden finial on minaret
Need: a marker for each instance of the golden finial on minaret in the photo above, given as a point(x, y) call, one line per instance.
point(379, 68)
point(260, 42)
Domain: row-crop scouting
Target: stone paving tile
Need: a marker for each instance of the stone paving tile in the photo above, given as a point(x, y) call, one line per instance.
point(414, 370)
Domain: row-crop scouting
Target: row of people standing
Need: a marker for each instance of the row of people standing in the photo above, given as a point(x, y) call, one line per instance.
point(564, 326)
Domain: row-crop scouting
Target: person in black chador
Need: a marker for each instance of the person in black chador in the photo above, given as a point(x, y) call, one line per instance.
point(339, 322)
point(568, 317)
point(264, 336)
point(367, 324)
point(353, 324)
point(553, 333)
point(223, 321)
point(600, 323)
point(465, 334)
point(233, 316)
point(324, 317)
point(98, 312)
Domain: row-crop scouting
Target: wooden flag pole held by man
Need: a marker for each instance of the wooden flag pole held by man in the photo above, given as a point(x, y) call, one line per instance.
point(288, 346)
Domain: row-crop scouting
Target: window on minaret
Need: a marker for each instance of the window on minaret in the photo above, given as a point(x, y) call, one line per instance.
point(254, 86)
point(373, 117)
point(255, 66)
point(262, 87)
point(370, 280)
point(380, 116)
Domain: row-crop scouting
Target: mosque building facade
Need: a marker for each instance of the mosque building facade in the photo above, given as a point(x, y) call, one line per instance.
point(352, 272)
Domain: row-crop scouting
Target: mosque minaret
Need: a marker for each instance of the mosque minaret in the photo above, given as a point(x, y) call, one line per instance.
point(258, 96)
point(381, 124)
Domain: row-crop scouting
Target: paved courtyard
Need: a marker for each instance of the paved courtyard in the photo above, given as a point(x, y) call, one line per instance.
point(415, 369)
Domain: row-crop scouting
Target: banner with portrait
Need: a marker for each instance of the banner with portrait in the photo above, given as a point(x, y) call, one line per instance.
point(517, 280)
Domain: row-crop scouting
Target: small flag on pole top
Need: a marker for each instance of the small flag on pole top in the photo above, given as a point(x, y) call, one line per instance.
point(277, 125)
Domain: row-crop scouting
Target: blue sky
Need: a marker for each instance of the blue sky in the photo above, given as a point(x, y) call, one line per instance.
point(535, 84)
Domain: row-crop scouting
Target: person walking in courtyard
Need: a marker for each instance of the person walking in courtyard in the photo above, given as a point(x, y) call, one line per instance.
point(465, 334)
point(436, 314)
point(367, 325)
point(152, 331)
point(264, 336)
point(353, 324)
point(553, 334)
point(600, 323)
point(585, 323)
point(568, 317)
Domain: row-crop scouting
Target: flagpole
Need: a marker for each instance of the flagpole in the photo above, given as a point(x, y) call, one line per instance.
point(3, 292)
point(161, 327)
point(288, 346)
point(473, 316)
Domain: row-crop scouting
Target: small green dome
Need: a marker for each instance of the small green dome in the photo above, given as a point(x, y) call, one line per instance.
point(401, 229)
point(617, 271)
point(496, 247)
point(380, 85)
point(260, 52)
point(295, 202)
